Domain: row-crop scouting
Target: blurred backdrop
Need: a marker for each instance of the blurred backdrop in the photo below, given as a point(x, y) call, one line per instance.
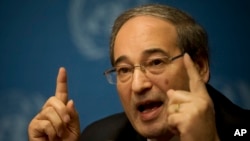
point(37, 37)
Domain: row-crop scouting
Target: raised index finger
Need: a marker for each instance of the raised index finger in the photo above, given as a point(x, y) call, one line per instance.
point(196, 83)
point(61, 86)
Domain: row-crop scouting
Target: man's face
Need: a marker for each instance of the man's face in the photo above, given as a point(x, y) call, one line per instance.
point(144, 96)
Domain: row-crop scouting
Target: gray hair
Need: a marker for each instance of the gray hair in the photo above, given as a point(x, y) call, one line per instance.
point(192, 38)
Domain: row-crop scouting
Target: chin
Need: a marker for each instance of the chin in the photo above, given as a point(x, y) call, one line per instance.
point(153, 133)
point(152, 130)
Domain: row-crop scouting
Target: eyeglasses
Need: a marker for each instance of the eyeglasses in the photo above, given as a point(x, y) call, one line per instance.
point(123, 73)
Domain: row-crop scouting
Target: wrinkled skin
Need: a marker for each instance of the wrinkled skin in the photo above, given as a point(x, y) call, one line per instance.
point(145, 37)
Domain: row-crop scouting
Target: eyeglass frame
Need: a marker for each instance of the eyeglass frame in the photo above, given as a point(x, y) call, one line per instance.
point(108, 72)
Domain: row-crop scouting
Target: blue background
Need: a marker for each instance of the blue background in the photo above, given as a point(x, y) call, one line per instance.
point(37, 37)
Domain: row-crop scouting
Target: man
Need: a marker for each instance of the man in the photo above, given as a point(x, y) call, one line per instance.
point(161, 69)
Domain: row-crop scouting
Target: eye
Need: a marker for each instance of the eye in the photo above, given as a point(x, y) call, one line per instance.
point(122, 70)
point(156, 62)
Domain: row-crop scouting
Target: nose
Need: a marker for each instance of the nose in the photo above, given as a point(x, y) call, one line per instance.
point(140, 81)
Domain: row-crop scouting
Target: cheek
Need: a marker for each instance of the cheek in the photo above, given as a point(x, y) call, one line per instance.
point(175, 78)
point(161, 82)
point(124, 95)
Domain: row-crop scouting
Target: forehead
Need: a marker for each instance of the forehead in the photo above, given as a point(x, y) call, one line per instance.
point(144, 33)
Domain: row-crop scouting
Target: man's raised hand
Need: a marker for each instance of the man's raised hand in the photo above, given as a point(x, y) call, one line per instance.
point(58, 120)
point(191, 113)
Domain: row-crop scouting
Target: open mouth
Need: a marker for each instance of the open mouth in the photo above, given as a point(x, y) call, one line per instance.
point(149, 106)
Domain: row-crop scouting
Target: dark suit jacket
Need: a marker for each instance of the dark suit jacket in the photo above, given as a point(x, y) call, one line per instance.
point(229, 118)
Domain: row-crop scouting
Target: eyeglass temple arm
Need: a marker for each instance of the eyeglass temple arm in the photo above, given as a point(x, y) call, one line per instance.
point(176, 57)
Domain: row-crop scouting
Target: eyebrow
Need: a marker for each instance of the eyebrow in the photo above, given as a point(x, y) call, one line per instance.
point(151, 51)
point(147, 52)
point(120, 59)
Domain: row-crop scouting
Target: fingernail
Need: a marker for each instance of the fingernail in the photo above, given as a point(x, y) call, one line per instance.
point(66, 118)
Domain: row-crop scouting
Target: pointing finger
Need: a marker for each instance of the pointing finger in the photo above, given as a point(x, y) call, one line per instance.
point(61, 86)
point(196, 83)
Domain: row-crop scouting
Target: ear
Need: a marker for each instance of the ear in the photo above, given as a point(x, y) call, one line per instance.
point(203, 68)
